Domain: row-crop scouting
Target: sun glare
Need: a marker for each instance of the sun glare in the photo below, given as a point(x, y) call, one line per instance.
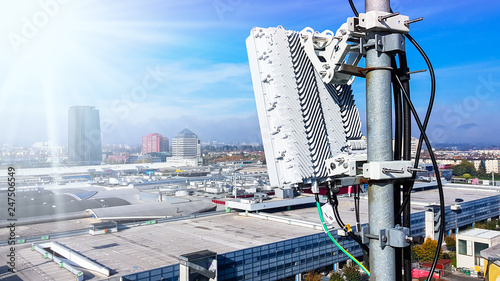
point(63, 53)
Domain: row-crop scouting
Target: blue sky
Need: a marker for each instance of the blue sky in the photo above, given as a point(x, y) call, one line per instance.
point(160, 66)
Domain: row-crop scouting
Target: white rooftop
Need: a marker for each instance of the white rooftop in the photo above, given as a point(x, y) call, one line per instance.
point(481, 233)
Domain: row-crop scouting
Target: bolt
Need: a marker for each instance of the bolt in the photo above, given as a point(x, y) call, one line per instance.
point(408, 22)
point(383, 18)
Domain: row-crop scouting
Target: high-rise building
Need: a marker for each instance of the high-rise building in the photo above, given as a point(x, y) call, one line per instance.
point(154, 143)
point(186, 145)
point(84, 136)
point(166, 144)
point(414, 146)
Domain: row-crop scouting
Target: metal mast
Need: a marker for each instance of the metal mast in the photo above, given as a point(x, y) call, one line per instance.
point(379, 135)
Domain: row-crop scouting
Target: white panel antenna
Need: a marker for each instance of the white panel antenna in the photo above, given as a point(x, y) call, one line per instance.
point(304, 122)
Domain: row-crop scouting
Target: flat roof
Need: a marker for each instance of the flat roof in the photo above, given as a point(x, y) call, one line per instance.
point(136, 249)
point(158, 245)
point(481, 233)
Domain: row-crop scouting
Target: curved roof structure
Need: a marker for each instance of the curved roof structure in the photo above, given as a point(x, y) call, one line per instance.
point(155, 210)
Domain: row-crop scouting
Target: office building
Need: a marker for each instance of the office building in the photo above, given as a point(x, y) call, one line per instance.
point(186, 145)
point(84, 136)
point(154, 143)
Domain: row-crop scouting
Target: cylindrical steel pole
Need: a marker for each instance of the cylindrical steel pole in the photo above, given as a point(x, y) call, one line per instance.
point(379, 135)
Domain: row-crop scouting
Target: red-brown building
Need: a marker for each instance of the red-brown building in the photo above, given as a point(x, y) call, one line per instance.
point(154, 143)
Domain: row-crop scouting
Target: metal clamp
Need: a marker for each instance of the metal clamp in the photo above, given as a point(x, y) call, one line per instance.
point(359, 71)
point(389, 43)
point(383, 21)
point(396, 237)
point(365, 234)
point(385, 170)
point(345, 164)
point(383, 239)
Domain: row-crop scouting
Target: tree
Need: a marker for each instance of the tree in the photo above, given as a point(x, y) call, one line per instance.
point(414, 256)
point(451, 242)
point(351, 272)
point(313, 276)
point(482, 168)
point(491, 225)
point(466, 176)
point(336, 276)
point(463, 168)
point(426, 251)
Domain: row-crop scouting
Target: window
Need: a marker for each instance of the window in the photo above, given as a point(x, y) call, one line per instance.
point(478, 247)
point(464, 247)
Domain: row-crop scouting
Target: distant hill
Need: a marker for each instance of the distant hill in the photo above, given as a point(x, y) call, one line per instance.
point(464, 146)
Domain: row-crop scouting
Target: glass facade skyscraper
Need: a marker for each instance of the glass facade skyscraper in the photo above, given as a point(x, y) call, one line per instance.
point(84, 136)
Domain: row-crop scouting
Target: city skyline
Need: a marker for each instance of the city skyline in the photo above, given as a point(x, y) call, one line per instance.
point(164, 66)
